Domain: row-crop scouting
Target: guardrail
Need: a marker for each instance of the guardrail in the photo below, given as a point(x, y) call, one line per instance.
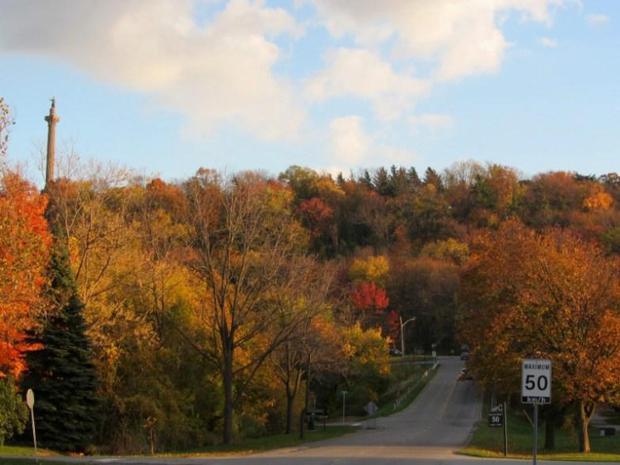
point(413, 386)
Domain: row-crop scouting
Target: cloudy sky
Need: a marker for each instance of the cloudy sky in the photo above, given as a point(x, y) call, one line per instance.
point(167, 86)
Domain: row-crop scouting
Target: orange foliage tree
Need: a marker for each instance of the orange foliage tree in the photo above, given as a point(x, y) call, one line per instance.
point(545, 295)
point(24, 245)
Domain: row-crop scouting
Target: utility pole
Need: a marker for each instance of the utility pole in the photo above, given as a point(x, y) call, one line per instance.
point(52, 119)
point(402, 333)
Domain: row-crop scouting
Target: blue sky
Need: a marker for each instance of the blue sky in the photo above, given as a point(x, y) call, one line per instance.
point(165, 87)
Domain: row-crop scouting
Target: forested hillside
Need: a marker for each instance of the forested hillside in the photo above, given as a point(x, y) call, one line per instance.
point(209, 303)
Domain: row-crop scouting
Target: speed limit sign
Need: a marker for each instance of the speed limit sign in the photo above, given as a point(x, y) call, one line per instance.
point(536, 381)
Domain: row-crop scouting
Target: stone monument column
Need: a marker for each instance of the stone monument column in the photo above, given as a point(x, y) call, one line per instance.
point(51, 119)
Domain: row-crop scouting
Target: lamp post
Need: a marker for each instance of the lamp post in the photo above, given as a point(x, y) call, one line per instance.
point(402, 333)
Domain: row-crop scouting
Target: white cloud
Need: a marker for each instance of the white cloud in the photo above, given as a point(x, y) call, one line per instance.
point(222, 72)
point(363, 74)
point(213, 74)
point(548, 42)
point(431, 120)
point(388, 154)
point(597, 20)
point(462, 37)
point(351, 146)
point(349, 143)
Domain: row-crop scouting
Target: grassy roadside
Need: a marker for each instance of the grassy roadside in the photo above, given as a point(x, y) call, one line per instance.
point(19, 451)
point(275, 441)
point(488, 442)
point(26, 461)
point(23, 455)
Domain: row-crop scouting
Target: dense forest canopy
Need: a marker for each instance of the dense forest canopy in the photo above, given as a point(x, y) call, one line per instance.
point(194, 293)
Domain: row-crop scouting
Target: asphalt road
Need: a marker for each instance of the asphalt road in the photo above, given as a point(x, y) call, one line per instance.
point(429, 432)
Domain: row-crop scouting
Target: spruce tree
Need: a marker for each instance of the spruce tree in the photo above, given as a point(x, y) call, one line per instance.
point(61, 372)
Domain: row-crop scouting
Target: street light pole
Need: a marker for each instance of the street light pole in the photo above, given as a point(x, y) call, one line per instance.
point(402, 333)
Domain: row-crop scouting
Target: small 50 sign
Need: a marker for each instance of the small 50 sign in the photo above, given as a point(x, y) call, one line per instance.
point(536, 381)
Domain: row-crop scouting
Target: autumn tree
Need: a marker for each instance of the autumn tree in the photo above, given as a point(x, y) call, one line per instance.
point(90, 210)
point(317, 199)
point(152, 379)
point(546, 295)
point(368, 367)
point(243, 237)
point(449, 249)
point(426, 288)
point(550, 199)
point(301, 308)
point(24, 246)
point(370, 298)
point(370, 269)
point(311, 350)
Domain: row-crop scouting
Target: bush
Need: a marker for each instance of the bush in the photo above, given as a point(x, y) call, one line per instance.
point(13, 411)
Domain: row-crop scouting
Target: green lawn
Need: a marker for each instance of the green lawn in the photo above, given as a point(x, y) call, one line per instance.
point(20, 451)
point(23, 456)
point(488, 442)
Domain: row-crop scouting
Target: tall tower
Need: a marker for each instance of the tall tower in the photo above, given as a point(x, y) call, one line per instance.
point(51, 119)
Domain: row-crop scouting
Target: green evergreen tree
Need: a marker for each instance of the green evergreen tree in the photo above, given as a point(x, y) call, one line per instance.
point(413, 178)
point(432, 177)
point(381, 182)
point(61, 373)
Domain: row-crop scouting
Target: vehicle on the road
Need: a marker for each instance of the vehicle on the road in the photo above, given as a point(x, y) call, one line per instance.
point(465, 355)
point(395, 352)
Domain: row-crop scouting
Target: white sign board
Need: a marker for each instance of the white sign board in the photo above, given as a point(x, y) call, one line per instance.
point(30, 399)
point(536, 381)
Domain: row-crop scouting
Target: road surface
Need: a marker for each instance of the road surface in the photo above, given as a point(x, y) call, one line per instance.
point(429, 431)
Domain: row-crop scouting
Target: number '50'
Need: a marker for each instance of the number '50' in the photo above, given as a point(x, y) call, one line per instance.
point(531, 382)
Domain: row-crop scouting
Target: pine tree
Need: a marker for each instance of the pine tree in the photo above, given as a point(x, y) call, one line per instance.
point(62, 373)
point(432, 177)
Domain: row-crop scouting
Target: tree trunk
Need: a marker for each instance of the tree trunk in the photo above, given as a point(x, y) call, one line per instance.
point(305, 410)
point(228, 396)
point(550, 432)
point(290, 398)
point(584, 413)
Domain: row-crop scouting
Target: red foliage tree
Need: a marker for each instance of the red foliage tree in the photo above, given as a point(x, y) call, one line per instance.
point(317, 215)
point(370, 297)
point(24, 245)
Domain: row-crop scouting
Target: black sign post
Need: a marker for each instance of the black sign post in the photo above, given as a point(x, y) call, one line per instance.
point(505, 430)
point(536, 389)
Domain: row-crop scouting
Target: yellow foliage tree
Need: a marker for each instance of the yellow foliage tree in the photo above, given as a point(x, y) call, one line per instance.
point(373, 269)
point(600, 200)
